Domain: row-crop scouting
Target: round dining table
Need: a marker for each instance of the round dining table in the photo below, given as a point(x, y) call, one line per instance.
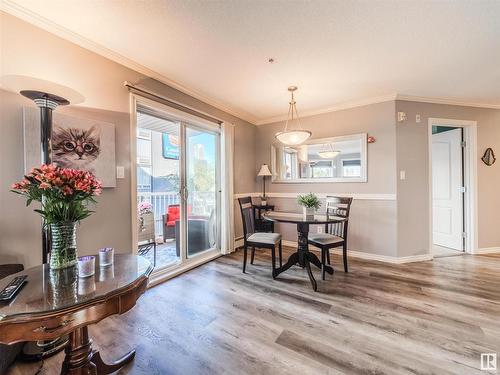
point(303, 257)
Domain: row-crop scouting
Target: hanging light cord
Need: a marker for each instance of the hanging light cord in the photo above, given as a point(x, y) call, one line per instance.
point(291, 108)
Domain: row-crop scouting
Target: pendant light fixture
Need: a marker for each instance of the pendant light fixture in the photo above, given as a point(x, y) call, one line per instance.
point(292, 136)
point(331, 153)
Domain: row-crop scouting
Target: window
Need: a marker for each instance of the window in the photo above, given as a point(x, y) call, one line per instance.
point(143, 179)
point(351, 168)
point(143, 147)
point(290, 162)
point(322, 169)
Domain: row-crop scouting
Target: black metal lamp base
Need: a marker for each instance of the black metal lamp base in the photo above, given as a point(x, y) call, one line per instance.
point(39, 350)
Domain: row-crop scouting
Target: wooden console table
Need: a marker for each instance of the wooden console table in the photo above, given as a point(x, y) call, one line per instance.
point(56, 302)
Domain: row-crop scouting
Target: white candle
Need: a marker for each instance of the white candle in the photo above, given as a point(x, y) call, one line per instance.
point(106, 256)
point(86, 266)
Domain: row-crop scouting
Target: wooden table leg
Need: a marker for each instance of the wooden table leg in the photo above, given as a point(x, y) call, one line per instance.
point(82, 360)
point(303, 251)
point(303, 257)
point(314, 260)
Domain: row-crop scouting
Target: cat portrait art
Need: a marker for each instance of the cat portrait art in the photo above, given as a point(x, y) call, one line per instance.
point(76, 142)
point(76, 148)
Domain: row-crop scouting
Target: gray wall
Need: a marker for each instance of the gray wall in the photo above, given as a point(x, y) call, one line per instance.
point(413, 157)
point(46, 56)
point(372, 219)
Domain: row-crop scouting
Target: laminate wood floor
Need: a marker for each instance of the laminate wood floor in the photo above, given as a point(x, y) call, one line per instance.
point(432, 317)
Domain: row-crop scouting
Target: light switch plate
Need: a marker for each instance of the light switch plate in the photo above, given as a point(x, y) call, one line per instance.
point(120, 171)
point(402, 175)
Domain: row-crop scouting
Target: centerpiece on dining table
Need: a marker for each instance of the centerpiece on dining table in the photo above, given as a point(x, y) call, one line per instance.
point(65, 195)
point(310, 204)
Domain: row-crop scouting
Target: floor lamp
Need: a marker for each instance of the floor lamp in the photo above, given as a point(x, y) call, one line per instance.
point(41, 94)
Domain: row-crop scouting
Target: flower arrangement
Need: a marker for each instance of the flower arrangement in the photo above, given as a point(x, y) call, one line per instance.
point(144, 208)
point(63, 192)
point(64, 195)
point(309, 201)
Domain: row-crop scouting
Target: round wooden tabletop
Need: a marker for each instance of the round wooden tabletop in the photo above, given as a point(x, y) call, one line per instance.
point(50, 291)
point(298, 218)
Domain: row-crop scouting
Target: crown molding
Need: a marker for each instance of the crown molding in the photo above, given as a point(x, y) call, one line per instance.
point(339, 107)
point(423, 99)
point(380, 99)
point(26, 15)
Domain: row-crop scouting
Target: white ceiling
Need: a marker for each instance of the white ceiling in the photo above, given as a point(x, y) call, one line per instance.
point(337, 52)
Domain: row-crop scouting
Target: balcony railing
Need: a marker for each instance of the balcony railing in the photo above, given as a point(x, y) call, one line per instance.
point(201, 203)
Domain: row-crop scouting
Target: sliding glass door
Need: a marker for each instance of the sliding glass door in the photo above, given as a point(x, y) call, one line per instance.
point(177, 188)
point(202, 189)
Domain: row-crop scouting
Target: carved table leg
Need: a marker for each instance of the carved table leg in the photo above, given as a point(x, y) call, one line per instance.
point(104, 368)
point(82, 360)
point(303, 251)
point(78, 360)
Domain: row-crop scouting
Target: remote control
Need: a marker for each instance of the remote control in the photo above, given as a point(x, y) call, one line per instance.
point(12, 288)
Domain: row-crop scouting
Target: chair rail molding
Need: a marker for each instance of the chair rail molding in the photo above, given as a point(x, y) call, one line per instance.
point(357, 196)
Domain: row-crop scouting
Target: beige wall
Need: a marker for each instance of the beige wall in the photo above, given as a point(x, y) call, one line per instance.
point(371, 219)
point(27, 50)
point(412, 156)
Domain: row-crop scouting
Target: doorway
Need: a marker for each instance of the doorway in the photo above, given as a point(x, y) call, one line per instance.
point(452, 187)
point(177, 186)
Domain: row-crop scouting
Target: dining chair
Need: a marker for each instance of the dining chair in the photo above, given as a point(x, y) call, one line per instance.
point(335, 235)
point(257, 239)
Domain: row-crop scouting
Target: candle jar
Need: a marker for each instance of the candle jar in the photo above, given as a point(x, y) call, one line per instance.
point(86, 266)
point(106, 256)
point(86, 286)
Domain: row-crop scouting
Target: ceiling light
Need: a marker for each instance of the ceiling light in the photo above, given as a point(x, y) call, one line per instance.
point(329, 154)
point(296, 136)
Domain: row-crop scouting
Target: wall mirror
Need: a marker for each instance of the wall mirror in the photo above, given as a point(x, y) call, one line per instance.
point(334, 159)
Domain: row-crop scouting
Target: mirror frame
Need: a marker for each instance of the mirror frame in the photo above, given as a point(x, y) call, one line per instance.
point(364, 161)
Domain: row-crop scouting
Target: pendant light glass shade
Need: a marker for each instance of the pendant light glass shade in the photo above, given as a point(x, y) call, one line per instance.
point(328, 154)
point(292, 137)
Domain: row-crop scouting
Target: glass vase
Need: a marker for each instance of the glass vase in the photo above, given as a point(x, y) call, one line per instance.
point(63, 245)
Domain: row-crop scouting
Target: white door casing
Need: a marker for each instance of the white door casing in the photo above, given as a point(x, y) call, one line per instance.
point(447, 185)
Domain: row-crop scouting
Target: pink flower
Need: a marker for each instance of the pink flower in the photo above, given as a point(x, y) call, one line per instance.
point(67, 190)
point(44, 185)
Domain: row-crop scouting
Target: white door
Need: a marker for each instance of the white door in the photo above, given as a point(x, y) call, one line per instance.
point(447, 195)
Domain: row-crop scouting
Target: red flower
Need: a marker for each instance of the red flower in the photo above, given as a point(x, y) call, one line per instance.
point(67, 190)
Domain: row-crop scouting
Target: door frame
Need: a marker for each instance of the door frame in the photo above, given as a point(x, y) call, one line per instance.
point(469, 176)
point(187, 263)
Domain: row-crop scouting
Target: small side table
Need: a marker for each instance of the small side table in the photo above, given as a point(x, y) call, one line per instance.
point(262, 225)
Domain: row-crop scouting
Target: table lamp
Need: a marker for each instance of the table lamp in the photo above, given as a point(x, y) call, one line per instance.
point(264, 172)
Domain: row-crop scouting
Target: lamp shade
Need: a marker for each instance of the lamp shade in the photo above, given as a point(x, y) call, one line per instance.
point(293, 137)
point(264, 171)
point(17, 83)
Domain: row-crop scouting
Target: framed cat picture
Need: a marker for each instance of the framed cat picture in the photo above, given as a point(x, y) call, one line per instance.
point(77, 143)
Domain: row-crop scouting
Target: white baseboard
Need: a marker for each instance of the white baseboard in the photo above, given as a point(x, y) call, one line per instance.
point(486, 250)
point(362, 255)
point(377, 257)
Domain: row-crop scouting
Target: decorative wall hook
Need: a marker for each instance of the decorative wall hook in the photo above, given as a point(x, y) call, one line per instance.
point(489, 157)
point(370, 139)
